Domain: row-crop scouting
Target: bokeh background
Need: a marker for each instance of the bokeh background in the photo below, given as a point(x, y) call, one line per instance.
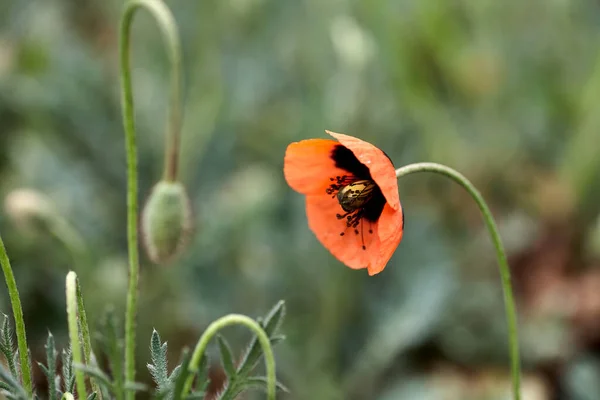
point(504, 91)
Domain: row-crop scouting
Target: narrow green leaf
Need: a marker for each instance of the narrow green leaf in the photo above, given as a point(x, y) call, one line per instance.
point(182, 376)
point(202, 380)
point(67, 370)
point(270, 324)
point(114, 348)
point(260, 382)
point(96, 373)
point(50, 371)
point(274, 318)
point(5, 386)
point(16, 390)
point(105, 392)
point(196, 396)
point(43, 368)
point(6, 346)
point(277, 339)
point(226, 357)
point(135, 387)
point(174, 374)
point(92, 396)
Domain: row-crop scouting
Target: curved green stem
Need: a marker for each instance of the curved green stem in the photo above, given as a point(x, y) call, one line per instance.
point(509, 302)
point(211, 331)
point(71, 292)
point(15, 301)
point(167, 25)
point(66, 233)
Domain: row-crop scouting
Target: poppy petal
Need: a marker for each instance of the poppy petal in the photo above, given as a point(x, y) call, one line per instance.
point(308, 166)
point(390, 231)
point(321, 212)
point(381, 168)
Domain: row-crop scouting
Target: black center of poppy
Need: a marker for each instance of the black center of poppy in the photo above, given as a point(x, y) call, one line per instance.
point(372, 207)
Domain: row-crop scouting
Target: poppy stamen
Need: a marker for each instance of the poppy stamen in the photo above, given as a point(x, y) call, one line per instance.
point(340, 182)
point(362, 235)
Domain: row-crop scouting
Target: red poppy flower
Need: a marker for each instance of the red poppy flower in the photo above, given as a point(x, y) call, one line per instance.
point(352, 201)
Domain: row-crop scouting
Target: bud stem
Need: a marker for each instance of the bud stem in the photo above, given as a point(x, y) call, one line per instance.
point(509, 302)
point(167, 25)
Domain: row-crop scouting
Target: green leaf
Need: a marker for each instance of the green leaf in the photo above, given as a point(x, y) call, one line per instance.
point(184, 372)
point(5, 386)
point(92, 396)
point(196, 396)
point(135, 387)
point(270, 324)
point(112, 345)
point(6, 346)
point(202, 379)
point(50, 371)
point(260, 382)
point(274, 318)
point(275, 340)
point(226, 357)
point(158, 369)
point(174, 374)
point(15, 390)
point(96, 373)
point(67, 370)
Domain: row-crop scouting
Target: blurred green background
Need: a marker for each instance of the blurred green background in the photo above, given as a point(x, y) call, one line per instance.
point(504, 91)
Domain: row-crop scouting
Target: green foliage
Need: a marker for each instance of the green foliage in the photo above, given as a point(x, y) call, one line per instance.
point(7, 347)
point(170, 386)
point(67, 371)
point(165, 382)
point(239, 379)
point(49, 369)
point(10, 387)
point(183, 373)
point(110, 340)
point(270, 324)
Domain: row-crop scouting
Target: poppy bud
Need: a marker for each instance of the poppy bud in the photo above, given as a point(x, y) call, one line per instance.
point(166, 221)
point(28, 208)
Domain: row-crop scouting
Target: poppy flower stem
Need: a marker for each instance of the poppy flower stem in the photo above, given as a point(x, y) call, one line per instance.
point(509, 302)
point(15, 301)
point(168, 27)
point(211, 331)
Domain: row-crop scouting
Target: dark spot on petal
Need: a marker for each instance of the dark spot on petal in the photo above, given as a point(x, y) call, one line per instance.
point(346, 160)
point(374, 207)
point(402, 209)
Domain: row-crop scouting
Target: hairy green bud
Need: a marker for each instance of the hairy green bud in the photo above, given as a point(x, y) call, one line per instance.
point(29, 208)
point(166, 222)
